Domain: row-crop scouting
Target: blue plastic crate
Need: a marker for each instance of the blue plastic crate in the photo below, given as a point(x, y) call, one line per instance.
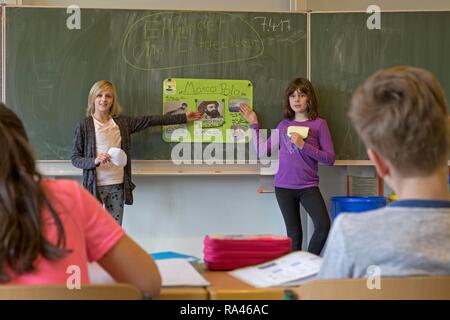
point(355, 204)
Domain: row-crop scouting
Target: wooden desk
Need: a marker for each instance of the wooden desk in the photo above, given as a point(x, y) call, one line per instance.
point(223, 287)
point(226, 287)
point(183, 293)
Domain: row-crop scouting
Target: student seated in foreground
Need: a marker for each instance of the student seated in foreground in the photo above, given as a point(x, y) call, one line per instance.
point(48, 228)
point(401, 115)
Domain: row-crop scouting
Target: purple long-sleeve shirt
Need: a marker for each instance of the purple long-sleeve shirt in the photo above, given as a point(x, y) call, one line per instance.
point(298, 167)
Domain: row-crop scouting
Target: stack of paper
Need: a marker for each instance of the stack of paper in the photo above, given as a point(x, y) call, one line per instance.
point(289, 270)
point(179, 272)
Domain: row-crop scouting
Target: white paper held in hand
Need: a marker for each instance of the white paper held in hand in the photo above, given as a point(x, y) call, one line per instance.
point(302, 131)
point(118, 157)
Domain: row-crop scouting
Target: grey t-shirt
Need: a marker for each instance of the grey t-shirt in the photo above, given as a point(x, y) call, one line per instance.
point(408, 237)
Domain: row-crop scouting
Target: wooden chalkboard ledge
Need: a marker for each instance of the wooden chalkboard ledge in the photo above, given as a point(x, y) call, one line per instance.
point(167, 168)
point(152, 168)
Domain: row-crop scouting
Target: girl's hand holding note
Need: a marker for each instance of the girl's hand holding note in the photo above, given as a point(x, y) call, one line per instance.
point(102, 158)
point(297, 140)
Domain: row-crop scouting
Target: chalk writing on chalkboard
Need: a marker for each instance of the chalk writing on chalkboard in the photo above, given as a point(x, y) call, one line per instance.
point(201, 39)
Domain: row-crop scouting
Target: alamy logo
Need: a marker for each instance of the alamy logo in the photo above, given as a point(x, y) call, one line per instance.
point(220, 153)
point(374, 21)
point(74, 20)
point(373, 277)
point(74, 279)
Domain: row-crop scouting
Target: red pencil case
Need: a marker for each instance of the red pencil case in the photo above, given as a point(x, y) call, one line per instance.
point(214, 253)
point(228, 252)
point(240, 242)
point(232, 264)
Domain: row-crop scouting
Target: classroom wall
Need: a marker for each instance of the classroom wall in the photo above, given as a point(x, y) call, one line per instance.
point(248, 5)
point(239, 5)
point(175, 213)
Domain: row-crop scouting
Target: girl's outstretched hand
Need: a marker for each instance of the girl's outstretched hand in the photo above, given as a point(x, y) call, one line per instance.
point(192, 116)
point(248, 113)
point(297, 140)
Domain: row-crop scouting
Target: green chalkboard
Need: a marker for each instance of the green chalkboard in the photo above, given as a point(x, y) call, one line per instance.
point(344, 52)
point(50, 69)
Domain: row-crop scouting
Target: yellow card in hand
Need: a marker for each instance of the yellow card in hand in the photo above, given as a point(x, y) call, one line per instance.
point(302, 131)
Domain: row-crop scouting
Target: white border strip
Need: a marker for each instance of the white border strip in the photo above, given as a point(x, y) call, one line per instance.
point(361, 11)
point(238, 11)
point(3, 62)
point(308, 46)
point(154, 9)
point(64, 168)
point(293, 5)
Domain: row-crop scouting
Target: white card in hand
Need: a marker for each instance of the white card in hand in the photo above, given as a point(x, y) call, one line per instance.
point(302, 131)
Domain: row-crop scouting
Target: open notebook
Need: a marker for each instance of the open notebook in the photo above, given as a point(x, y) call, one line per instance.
point(289, 270)
point(174, 272)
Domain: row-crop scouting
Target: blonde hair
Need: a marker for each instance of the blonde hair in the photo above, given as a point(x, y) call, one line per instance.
point(401, 113)
point(99, 86)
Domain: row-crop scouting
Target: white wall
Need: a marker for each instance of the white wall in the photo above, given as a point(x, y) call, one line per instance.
point(248, 5)
point(233, 5)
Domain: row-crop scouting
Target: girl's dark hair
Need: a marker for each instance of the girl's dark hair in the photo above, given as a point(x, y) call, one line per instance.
point(303, 85)
point(21, 200)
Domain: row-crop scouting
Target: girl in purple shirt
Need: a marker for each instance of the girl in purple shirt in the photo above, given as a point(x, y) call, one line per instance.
point(296, 181)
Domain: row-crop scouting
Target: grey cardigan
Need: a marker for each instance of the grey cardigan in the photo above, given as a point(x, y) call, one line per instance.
point(84, 147)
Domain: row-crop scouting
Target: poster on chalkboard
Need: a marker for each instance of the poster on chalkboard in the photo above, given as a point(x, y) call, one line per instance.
point(217, 100)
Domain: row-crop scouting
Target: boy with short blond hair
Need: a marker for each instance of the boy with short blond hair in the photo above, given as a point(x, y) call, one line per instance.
point(401, 115)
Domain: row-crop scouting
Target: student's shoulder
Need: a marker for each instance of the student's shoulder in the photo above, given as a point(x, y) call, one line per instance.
point(284, 123)
point(320, 121)
point(64, 193)
point(57, 185)
point(355, 223)
point(123, 119)
point(85, 122)
point(86, 119)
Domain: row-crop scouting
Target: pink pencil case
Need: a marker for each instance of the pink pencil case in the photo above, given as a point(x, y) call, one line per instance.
point(228, 252)
point(241, 242)
point(275, 252)
point(234, 263)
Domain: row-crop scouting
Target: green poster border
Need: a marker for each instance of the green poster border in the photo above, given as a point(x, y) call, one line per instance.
point(222, 123)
